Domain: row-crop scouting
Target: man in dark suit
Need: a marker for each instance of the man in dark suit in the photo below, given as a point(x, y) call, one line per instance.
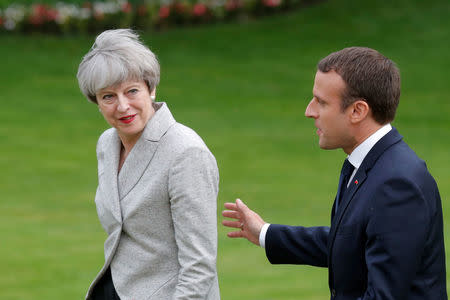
point(386, 235)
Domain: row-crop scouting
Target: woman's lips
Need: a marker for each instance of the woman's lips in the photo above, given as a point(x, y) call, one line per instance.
point(127, 119)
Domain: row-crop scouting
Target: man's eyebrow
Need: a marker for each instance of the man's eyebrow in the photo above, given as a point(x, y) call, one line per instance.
point(318, 97)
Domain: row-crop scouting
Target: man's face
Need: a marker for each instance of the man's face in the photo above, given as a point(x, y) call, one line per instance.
point(333, 124)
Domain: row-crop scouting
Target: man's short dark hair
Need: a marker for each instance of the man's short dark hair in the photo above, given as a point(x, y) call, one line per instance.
point(369, 76)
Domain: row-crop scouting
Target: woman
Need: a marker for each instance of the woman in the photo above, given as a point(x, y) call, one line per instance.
point(158, 182)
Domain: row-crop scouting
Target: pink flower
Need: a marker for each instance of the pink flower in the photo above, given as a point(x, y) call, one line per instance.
point(52, 14)
point(231, 5)
point(39, 9)
point(272, 3)
point(126, 7)
point(164, 12)
point(87, 5)
point(199, 9)
point(38, 14)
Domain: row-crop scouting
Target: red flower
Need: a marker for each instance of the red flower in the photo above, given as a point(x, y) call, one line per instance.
point(87, 5)
point(231, 5)
point(199, 9)
point(180, 7)
point(271, 3)
point(142, 10)
point(34, 20)
point(38, 14)
point(164, 12)
point(126, 7)
point(52, 14)
point(39, 10)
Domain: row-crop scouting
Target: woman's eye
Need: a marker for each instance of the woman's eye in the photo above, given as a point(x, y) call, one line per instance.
point(133, 91)
point(108, 98)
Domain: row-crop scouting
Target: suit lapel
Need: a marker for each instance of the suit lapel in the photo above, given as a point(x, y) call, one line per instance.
point(142, 153)
point(109, 162)
point(358, 180)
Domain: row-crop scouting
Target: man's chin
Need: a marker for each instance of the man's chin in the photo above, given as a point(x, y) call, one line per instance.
point(326, 146)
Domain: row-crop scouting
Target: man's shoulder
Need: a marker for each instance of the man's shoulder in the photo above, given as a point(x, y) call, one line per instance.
point(399, 163)
point(400, 158)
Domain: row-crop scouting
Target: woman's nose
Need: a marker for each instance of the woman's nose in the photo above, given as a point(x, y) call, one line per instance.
point(123, 104)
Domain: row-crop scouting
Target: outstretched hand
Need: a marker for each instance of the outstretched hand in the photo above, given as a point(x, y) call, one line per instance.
point(248, 222)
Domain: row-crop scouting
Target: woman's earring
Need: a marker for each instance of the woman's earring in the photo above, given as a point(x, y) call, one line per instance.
point(152, 97)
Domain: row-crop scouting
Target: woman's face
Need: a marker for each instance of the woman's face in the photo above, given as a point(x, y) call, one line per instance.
point(126, 107)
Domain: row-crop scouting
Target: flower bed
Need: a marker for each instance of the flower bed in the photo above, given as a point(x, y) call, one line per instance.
point(153, 14)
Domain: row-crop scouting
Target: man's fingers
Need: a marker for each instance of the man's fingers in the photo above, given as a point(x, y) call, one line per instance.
point(233, 224)
point(231, 214)
point(235, 234)
point(245, 219)
point(230, 205)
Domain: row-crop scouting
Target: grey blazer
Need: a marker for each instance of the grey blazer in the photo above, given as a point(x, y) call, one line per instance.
point(160, 213)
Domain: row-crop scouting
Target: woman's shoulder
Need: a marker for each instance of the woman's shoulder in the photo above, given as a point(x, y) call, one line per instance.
point(182, 137)
point(108, 136)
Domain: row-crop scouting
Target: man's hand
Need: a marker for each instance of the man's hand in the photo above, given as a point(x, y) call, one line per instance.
point(249, 222)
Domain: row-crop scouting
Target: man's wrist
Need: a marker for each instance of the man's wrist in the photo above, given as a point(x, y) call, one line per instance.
point(262, 235)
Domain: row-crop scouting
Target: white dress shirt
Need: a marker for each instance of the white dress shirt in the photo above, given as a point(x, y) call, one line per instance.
point(355, 158)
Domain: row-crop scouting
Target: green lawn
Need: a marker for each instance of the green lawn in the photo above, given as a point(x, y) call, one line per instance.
point(243, 88)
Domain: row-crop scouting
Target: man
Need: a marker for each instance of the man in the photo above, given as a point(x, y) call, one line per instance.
point(386, 235)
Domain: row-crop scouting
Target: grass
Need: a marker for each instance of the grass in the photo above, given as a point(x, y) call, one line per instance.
point(243, 88)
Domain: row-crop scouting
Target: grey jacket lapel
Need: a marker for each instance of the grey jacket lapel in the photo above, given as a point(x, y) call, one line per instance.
point(142, 153)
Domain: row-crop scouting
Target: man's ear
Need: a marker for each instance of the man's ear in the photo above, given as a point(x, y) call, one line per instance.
point(359, 111)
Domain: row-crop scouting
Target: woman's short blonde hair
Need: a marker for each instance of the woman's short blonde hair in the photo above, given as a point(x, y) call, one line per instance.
point(116, 56)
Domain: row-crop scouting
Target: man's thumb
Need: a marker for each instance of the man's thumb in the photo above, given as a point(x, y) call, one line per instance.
point(241, 206)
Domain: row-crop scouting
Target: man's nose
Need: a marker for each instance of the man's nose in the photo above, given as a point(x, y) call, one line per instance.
point(310, 111)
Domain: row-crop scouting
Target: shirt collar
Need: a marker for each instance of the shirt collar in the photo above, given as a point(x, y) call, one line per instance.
point(357, 156)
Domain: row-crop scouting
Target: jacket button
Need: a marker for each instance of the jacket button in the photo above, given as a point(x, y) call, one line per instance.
point(333, 293)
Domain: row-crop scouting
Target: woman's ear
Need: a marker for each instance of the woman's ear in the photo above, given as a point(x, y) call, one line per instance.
point(359, 111)
point(153, 94)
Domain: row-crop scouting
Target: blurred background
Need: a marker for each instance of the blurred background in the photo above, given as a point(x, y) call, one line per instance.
point(243, 84)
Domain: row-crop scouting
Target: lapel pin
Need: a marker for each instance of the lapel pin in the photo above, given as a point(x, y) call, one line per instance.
point(356, 181)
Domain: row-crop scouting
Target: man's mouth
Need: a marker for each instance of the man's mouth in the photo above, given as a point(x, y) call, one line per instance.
point(318, 131)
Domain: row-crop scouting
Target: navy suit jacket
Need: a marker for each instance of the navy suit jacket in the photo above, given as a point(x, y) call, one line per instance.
point(386, 240)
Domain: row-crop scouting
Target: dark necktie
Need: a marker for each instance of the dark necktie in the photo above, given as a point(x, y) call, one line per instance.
point(346, 172)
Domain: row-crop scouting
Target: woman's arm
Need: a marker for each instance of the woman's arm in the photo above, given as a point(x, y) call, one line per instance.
point(193, 188)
